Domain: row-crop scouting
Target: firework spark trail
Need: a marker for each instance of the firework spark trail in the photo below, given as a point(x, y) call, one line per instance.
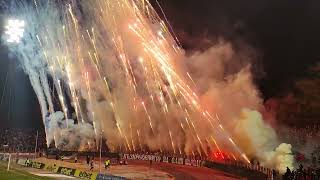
point(111, 55)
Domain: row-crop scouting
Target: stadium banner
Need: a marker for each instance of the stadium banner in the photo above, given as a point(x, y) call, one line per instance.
point(66, 171)
point(175, 160)
point(1, 156)
point(5, 157)
point(194, 162)
point(85, 175)
point(187, 162)
point(165, 159)
point(22, 162)
point(37, 165)
point(23, 154)
point(143, 157)
point(158, 158)
point(52, 168)
point(108, 177)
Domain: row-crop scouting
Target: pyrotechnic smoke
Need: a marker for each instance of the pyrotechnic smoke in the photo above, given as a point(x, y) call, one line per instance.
point(121, 70)
point(259, 140)
point(76, 137)
point(223, 76)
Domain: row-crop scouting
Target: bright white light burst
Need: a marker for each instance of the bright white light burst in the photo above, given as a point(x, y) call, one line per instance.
point(14, 30)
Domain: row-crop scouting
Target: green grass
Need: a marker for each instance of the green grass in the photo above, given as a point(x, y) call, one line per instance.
point(16, 174)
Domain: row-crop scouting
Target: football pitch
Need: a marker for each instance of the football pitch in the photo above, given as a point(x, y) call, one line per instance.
point(17, 174)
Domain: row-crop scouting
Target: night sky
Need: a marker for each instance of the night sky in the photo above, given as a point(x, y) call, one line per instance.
point(286, 33)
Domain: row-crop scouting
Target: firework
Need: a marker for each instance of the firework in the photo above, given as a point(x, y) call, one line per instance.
point(118, 64)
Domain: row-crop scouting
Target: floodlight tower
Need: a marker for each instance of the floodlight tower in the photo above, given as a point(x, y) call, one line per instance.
point(14, 30)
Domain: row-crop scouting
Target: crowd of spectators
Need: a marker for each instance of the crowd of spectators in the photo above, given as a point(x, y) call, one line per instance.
point(305, 142)
point(299, 135)
point(306, 147)
point(302, 174)
point(21, 140)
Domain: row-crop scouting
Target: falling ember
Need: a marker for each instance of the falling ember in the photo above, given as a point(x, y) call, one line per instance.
point(231, 141)
point(172, 143)
point(246, 158)
point(233, 156)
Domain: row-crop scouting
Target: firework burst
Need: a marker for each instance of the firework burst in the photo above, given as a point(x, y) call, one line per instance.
point(116, 66)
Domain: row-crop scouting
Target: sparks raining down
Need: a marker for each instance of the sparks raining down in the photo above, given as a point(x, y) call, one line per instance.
point(114, 67)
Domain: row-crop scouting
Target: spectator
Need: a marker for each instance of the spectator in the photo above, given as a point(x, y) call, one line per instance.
point(88, 160)
point(287, 175)
point(75, 159)
point(91, 165)
point(107, 164)
point(274, 174)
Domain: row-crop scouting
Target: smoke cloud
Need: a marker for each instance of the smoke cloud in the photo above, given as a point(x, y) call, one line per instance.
point(226, 86)
point(75, 137)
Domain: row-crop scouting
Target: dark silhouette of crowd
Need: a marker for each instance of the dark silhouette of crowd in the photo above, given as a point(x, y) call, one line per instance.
point(302, 174)
point(304, 139)
point(301, 135)
point(21, 140)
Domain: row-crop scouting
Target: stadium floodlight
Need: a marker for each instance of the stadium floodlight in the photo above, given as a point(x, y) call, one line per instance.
point(14, 30)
